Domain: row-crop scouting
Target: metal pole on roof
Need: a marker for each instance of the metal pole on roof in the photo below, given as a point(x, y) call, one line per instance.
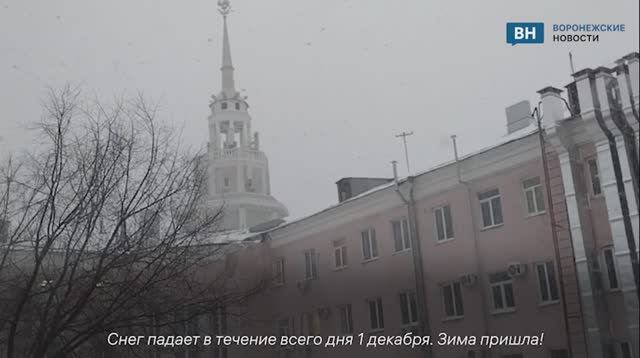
point(404, 136)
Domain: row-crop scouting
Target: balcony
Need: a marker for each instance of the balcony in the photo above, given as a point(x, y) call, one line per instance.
point(239, 154)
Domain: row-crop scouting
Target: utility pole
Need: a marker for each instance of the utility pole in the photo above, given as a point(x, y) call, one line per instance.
point(404, 136)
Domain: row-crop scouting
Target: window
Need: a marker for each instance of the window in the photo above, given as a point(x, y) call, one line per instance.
point(311, 264)
point(609, 263)
point(452, 298)
point(224, 105)
point(611, 350)
point(547, 282)
point(534, 196)
point(220, 328)
point(278, 271)
point(594, 176)
point(309, 323)
point(238, 106)
point(491, 208)
point(401, 238)
point(502, 292)
point(340, 256)
point(625, 349)
point(284, 327)
point(376, 314)
point(345, 319)
point(444, 225)
point(408, 308)
point(226, 182)
point(369, 244)
point(559, 353)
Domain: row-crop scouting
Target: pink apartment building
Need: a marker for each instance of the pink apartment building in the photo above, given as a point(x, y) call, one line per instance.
point(469, 247)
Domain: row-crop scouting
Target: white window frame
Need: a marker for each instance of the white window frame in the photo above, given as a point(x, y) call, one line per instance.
point(278, 267)
point(454, 300)
point(345, 319)
point(490, 201)
point(503, 295)
point(412, 313)
point(376, 323)
point(595, 175)
point(605, 268)
point(547, 282)
point(534, 190)
point(405, 235)
point(369, 241)
point(439, 212)
point(340, 257)
point(310, 264)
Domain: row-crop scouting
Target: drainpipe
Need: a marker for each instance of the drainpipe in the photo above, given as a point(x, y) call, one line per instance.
point(479, 265)
point(553, 224)
point(633, 251)
point(418, 266)
point(620, 120)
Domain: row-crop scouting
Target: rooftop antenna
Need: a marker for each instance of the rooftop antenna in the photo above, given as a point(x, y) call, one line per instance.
point(455, 154)
point(404, 136)
point(573, 70)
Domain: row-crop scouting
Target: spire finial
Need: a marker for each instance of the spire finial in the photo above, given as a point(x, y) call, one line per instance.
point(228, 87)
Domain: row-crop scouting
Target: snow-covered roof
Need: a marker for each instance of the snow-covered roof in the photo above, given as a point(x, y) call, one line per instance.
point(514, 136)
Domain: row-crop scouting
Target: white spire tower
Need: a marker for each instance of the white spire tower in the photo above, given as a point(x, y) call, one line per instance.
point(239, 170)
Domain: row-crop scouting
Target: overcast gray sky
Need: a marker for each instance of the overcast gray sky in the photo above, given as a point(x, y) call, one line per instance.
point(329, 81)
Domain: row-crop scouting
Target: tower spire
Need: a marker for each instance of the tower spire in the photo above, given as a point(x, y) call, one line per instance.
point(228, 86)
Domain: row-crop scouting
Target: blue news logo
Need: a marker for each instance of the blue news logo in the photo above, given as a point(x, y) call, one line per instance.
point(525, 33)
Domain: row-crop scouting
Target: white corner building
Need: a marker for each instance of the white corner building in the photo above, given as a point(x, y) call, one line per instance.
point(238, 169)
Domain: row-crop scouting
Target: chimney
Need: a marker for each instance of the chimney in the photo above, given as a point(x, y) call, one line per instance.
point(552, 106)
point(350, 187)
point(518, 116)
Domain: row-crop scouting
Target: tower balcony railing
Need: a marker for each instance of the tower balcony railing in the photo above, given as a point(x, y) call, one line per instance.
point(238, 154)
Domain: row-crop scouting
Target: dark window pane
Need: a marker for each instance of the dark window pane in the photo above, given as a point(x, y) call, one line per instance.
point(380, 314)
point(497, 211)
point(542, 282)
point(413, 308)
point(366, 250)
point(447, 293)
point(486, 214)
point(497, 297)
point(448, 222)
point(508, 295)
point(373, 314)
point(374, 243)
point(611, 268)
point(540, 199)
point(458, 299)
point(439, 224)
point(404, 308)
point(553, 285)
point(406, 237)
point(397, 235)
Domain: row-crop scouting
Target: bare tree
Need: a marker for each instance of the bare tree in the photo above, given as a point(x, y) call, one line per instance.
point(105, 229)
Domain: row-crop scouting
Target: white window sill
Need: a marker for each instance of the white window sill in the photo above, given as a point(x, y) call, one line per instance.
point(491, 227)
point(401, 251)
point(444, 241)
point(366, 261)
point(340, 268)
point(503, 311)
point(376, 331)
point(533, 215)
point(452, 318)
point(276, 285)
point(548, 303)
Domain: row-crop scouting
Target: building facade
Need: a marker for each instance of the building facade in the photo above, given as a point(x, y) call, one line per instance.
point(536, 234)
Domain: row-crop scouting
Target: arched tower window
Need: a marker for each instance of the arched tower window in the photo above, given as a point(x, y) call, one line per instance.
point(237, 106)
point(224, 105)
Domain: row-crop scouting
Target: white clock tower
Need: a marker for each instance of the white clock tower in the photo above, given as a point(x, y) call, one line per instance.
point(238, 169)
